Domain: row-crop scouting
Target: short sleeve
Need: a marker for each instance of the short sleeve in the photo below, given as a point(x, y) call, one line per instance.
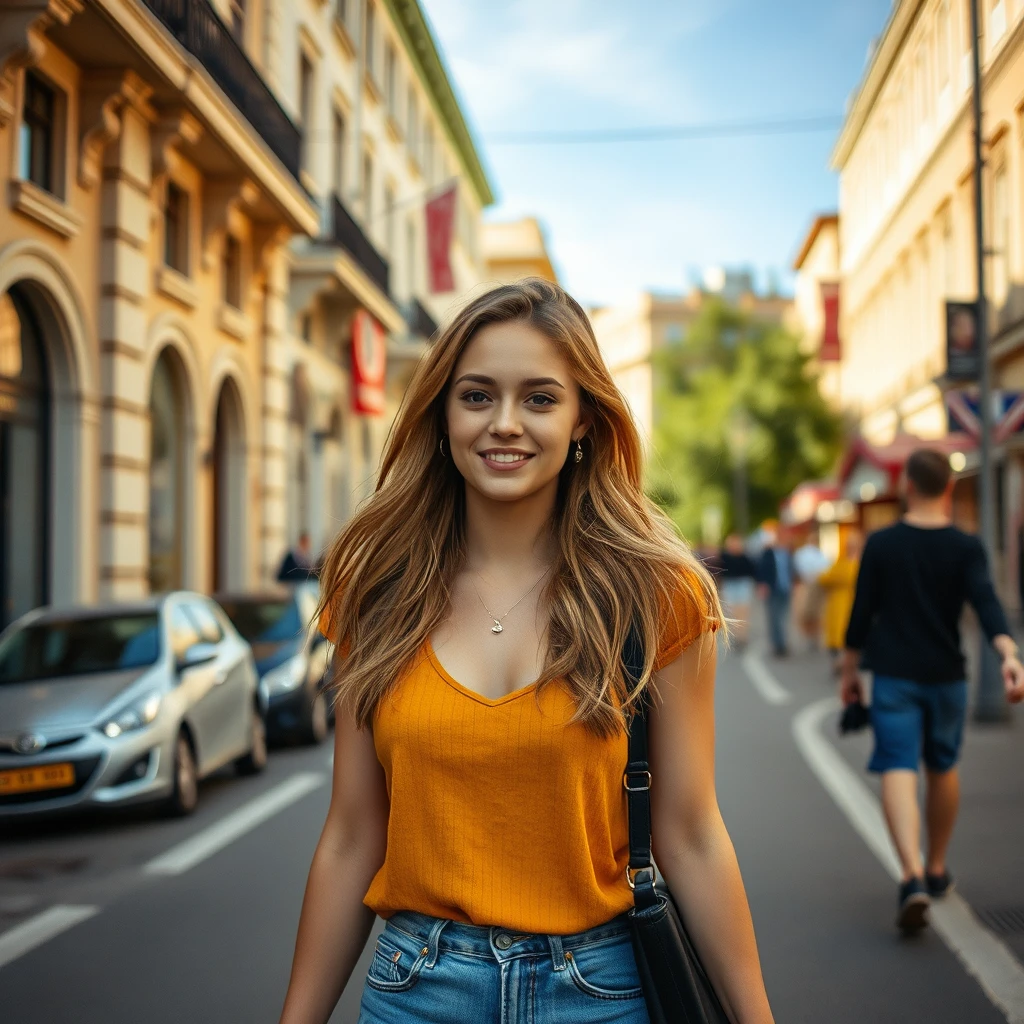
point(689, 615)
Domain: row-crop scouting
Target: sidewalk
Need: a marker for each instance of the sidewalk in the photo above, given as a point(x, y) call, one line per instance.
point(986, 852)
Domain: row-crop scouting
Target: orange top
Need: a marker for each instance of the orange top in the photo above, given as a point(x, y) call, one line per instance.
point(503, 812)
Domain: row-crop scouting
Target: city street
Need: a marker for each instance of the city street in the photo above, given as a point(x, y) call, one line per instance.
point(194, 920)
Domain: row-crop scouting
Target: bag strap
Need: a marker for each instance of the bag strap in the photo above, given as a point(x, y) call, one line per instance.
point(636, 779)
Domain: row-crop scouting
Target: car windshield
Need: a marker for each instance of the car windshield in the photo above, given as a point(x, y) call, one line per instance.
point(265, 622)
point(78, 646)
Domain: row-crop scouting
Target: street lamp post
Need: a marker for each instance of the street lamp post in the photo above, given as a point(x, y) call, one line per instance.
point(991, 704)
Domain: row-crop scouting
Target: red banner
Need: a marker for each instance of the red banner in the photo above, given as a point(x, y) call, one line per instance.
point(369, 365)
point(440, 221)
point(831, 347)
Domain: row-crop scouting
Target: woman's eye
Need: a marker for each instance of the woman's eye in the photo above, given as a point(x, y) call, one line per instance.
point(474, 397)
point(541, 400)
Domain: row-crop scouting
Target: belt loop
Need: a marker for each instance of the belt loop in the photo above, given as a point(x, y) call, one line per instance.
point(433, 941)
point(557, 956)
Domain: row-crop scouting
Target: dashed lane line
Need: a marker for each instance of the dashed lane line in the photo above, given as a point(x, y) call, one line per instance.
point(771, 690)
point(985, 957)
point(40, 928)
point(215, 837)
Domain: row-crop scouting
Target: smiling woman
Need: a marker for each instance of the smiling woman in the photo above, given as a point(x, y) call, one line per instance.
point(481, 601)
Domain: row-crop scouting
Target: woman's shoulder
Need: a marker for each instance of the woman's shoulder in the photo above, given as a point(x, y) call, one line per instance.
point(689, 609)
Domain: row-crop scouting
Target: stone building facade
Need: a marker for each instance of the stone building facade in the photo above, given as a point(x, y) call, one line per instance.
point(178, 282)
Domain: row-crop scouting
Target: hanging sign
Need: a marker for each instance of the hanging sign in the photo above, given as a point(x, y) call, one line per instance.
point(963, 357)
point(831, 347)
point(369, 365)
point(963, 406)
point(440, 220)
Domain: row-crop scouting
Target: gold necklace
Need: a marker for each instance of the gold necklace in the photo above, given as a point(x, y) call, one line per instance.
point(497, 627)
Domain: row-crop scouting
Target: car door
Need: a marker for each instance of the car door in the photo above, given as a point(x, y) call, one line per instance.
point(198, 686)
point(230, 704)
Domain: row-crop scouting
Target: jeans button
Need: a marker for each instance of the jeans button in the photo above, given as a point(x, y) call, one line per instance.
point(503, 941)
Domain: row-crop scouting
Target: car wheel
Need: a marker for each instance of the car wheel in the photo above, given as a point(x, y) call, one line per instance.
point(256, 760)
point(314, 729)
point(185, 795)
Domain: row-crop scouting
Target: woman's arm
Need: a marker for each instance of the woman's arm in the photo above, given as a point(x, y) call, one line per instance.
point(335, 923)
point(691, 845)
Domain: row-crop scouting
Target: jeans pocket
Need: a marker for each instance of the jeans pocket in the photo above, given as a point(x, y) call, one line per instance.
point(605, 970)
point(397, 962)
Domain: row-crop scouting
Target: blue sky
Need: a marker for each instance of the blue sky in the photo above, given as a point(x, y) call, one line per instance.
point(624, 217)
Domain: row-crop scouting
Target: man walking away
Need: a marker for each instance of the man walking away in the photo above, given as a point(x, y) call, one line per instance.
point(775, 573)
point(736, 574)
point(914, 579)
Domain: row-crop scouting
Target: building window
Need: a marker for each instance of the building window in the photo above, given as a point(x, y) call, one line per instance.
point(390, 79)
point(236, 9)
point(369, 41)
point(232, 271)
point(306, 107)
point(341, 11)
point(338, 154)
point(367, 189)
point(38, 133)
point(176, 228)
point(306, 328)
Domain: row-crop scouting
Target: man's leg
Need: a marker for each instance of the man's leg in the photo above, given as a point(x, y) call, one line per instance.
point(903, 816)
point(777, 610)
point(941, 810)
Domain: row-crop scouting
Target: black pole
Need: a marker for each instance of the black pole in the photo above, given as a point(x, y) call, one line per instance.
point(991, 704)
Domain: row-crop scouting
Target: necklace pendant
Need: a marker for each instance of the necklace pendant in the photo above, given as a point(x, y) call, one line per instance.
point(497, 627)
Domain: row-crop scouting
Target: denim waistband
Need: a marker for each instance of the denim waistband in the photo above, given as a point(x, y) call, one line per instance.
point(503, 943)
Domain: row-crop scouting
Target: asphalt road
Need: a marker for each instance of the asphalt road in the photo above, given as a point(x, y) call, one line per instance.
point(206, 933)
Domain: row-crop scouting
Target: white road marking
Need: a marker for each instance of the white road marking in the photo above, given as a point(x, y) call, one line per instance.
point(764, 682)
point(48, 924)
point(215, 837)
point(989, 961)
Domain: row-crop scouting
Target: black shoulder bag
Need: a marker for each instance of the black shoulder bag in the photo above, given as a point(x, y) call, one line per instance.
point(676, 987)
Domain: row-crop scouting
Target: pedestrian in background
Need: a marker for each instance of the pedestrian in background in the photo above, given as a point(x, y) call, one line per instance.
point(838, 584)
point(775, 576)
point(914, 580)
point(809, 562)
point(298, 562)
point(483, 814)
point(736, 578)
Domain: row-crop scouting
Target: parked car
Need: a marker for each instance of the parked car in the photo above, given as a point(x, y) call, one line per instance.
point(121, 704)
point(291, 657)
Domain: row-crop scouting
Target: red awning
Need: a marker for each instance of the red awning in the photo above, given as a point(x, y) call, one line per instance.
point(802, 504)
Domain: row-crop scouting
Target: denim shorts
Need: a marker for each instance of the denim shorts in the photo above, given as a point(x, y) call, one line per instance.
point(425, 969)
point(916, 721)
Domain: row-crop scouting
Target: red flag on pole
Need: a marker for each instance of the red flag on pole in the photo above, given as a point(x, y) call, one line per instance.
point(440, 219)
point(831, 348)
point(369, 365)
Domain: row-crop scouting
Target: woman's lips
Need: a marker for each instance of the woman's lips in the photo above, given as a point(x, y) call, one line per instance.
point(504, 463)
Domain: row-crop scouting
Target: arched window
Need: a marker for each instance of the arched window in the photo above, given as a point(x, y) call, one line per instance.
point(166, 477)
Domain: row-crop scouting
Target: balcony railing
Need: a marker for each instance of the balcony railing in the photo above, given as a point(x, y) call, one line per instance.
point(419, 320)
point(197, 27)
point(349, 235)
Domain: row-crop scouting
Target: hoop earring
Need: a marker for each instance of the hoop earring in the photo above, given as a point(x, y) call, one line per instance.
point(440, 448)
point(579, 453)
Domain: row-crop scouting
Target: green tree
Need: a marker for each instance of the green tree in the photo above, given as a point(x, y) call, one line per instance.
point(736, 383)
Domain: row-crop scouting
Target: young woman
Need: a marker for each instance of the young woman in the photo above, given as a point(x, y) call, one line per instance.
point(480, 601)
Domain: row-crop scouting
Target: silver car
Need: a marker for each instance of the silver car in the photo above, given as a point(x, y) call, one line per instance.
point(120, 704)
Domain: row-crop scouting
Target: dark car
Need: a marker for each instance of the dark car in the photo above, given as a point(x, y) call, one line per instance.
point(291, 658)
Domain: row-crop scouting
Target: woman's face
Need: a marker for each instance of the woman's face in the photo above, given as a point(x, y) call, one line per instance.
point(513, 411)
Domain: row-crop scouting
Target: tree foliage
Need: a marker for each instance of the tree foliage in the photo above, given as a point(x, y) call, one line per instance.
point(733, 369)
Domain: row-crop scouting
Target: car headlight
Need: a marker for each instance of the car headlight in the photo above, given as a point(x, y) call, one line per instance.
point(286, 676)
point(135, 716)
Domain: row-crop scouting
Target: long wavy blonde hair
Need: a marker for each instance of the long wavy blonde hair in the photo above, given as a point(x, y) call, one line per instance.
point(387, 579)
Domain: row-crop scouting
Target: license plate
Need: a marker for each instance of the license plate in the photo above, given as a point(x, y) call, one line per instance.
point(25, 780)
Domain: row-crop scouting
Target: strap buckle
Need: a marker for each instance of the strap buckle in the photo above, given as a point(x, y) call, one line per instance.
point(631, 874)
point(628, 775)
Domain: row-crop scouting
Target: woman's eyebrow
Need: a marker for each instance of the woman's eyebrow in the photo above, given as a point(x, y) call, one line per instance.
point(531, 382)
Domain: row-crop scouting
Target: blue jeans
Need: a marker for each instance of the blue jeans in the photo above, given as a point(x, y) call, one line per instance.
point(777, 606)
point(916, 721)
point(429, 971)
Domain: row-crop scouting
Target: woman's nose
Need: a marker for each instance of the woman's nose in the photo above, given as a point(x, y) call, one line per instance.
point(506, 419)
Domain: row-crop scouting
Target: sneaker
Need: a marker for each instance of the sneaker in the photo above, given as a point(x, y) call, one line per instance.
point(939, 885)
point(914, 903)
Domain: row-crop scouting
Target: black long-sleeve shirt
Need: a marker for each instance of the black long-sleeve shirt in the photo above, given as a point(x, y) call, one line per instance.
point(911, 590)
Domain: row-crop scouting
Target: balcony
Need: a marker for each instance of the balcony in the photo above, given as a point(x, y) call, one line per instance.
point(197, 27)
point(420, 322)
point(349, 235)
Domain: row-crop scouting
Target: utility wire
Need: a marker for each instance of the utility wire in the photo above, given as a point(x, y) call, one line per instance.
point(720, 129)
